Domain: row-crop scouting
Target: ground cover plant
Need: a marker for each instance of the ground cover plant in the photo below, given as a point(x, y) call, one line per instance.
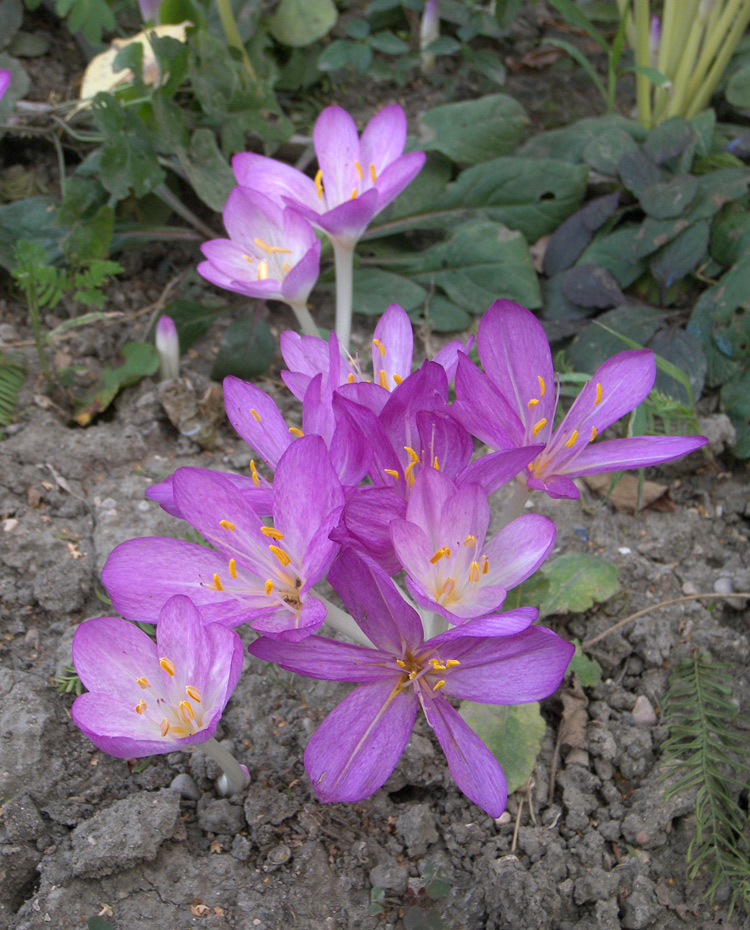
point(410, 651)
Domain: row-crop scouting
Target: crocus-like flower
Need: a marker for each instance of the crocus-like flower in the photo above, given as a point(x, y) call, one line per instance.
point(256, 572)
point(146, 698)
point(429, 31)
point(495, 660)
point(272, 253)
point(514, 404)
point(168, 347)
point(4, 81)
point(356, 179)
point(450, 566)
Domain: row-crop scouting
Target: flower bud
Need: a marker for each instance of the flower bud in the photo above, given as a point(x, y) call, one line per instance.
point(168, 346)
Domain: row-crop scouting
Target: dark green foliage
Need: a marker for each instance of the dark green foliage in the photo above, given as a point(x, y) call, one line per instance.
point(12, 376)
point(707, 753)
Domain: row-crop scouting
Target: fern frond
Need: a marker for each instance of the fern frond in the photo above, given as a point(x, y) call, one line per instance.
point(12, 376)
point(707, 753)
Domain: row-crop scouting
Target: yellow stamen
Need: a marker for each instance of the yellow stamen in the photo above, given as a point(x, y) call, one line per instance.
point(475, 572)
point(542, 385)
point(143, 683)
point(359, 169)
point(269, 586)
point(286, 267)
point(470, 540)
point(194, 693)
point(392, 472)
point(319, 183)
point(351, 378)
point(227, 525)
point(254, 473)
point(232, 568)
point(599, 393)
point(593, 433)
point(438, 665)
point(379, 346)
point(280, 555)
point(383, 378)
point(272, 532)
point(538, 427)
point(532, 403)
point(262, 271)
point(254, 414)
point(354, 194)
point(412, 454)
point(572, 441)
point(264, 246)
point(217, 583)
point(164, 727)
point(400, 663)
point(436, 464)
point(398, 379)
point(439, 553)
point(186, 711)
point(438, 684)
point(296, 432)
point(167, 666)
point(452, 663)
point(485, 564)
point(373, 173)
point(140, 707)
point(248, 258)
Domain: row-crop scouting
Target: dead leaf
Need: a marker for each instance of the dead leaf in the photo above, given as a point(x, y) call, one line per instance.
point(574, 717)
point(200, 910)
point(537, 58)
point(624, 497)
point(536, 251)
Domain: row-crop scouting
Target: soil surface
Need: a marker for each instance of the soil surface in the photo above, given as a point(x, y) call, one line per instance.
point(157, 847)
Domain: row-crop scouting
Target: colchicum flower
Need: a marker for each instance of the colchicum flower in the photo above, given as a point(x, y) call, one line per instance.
point(514, 403)
point(495, 660)
point(450, 568)
point(272, 253)
point(4, 81)
point(257, 573)
point(146, 698)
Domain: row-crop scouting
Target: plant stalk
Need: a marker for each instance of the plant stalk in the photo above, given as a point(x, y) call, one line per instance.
point(344, 262)
point(306, 323)
point(236, 777)
point(36, 327)
point(643, 59)
point(340, 621)
point(232, 34)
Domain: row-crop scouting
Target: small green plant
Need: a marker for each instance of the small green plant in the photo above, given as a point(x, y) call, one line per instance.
point(12, 376)
point(706, 752)
point(68, 682)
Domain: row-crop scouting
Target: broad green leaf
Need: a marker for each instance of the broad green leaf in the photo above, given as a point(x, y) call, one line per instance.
point(602, 340)
point(137, 360)
point(11, 17)
point(588, 670)
point(680, 348)
point(735, 397)
point(604, 151)
point(246, 349)
point(669, 199)
point(638, 172)
point(656, 77)
point(730, 235)
point(474, 131)
point(207, 169)
point(388, 43)
point(612, 251)
point(443, 45)
point(531, 195)
point(442, 315)
point(35, 219)
point(669, 140)
point(569, 144)
point(129, 159)
point(512, 732)
point(302, 22)
point(738, 88)
point(577, 581)
point(375, 290)
point(681, 256)
point(192, 319)
point(481, 262)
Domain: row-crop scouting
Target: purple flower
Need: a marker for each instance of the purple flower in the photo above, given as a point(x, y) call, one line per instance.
point(495, 660)
point(146, 698)
point(272, 253)
point(256, 572)
point(4, 81)
point(356, 179)
point(450, 566)
point(149, 10)
point(514, 403)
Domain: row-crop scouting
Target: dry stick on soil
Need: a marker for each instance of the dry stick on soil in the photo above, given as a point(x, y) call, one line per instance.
point(647, 610)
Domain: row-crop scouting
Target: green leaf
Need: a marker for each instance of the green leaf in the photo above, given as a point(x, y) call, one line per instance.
point(569, 144)
point(339, 54)
point(656, 77)
point(577, 17)
point(683, 350)
point(512, 732)
point(479, 263)
point(246, 349)
point(137, 360)
point(506, 12)
point(99, 923)
point(588, 670)
point(302, 22)
point(89, 17)
point(669, 199)
point(730, 235)
point(375, 290)
point(192, 319)
point(577, 581)
point(12, 377)
point(605, 150)
point(738, 88)
point(670, 139)
point(207, 169)
point(442, 315)
point(443, 45)
point(388, 43)
point(681, 256)
point(735, 398)
point(35, 219)
point(531, 195)
point(11, 17)
point(474, 131)
point(638, 172)
point(582, 60)
point(613, 251)
point(487, 62)
point(128, 160)
point(596, 343)
point(357, 28)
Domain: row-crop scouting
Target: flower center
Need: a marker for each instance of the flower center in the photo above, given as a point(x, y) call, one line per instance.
point(170, 714)
point(424, 670)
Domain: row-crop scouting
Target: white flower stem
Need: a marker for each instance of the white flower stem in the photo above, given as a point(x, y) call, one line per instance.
point(344, 260)
point(306, 323)
point(515, 504)
point(235, 777)
point(340, 621)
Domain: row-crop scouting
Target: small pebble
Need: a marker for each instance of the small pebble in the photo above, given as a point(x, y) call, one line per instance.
point(643, 713)
point(186, 785)
point(724, 585)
